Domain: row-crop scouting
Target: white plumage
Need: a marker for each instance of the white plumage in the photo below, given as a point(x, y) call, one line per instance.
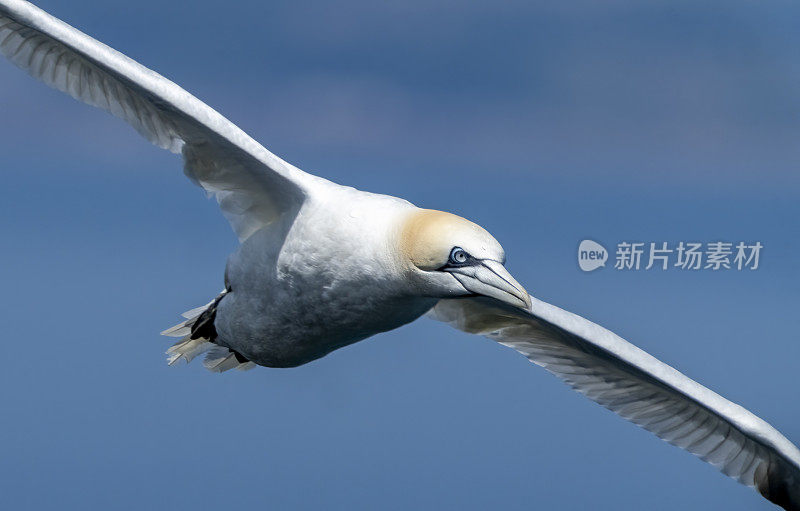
point(322, 266)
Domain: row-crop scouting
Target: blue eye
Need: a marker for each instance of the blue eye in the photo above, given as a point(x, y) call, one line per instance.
point(458, 256)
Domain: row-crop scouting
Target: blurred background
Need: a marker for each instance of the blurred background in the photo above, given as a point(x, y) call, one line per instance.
point(547, 123)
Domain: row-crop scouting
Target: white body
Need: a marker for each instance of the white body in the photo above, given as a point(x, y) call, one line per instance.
point(302, 290)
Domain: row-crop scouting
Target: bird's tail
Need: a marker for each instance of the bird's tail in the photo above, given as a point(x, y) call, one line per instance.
point(198, 336)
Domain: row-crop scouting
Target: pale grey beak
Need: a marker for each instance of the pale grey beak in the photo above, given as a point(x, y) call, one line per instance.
point(490, 278)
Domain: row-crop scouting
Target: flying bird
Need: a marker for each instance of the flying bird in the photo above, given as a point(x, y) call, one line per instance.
point(321, 266)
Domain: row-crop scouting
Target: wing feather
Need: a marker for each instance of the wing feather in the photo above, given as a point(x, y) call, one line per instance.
point(640, 388)
point(253, 186)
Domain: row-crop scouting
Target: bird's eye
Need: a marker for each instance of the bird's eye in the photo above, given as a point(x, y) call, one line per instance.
point(458, 256)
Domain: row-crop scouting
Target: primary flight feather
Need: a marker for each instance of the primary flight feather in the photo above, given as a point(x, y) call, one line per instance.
point(321, 266)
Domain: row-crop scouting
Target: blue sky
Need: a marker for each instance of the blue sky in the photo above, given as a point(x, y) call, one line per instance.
point(547, 124)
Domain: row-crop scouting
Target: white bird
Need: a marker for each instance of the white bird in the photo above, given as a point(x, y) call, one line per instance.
point(321, 266)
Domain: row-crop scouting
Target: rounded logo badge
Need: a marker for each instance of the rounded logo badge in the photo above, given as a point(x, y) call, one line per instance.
point(591, 255)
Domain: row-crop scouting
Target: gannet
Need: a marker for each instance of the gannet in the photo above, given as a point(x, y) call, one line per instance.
point(321, 266)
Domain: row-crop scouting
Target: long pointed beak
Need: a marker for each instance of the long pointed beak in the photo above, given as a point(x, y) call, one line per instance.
point(490, 278)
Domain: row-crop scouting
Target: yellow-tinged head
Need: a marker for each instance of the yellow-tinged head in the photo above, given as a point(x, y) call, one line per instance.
point(429, 236)
point(452, 257)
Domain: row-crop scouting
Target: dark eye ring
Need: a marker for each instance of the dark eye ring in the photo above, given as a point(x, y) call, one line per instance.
point(458, 255)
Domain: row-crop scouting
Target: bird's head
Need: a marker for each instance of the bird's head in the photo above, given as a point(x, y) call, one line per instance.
point(450, 257)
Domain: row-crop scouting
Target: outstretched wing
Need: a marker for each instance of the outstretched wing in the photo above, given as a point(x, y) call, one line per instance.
point(252, 185)
point(640, 388)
